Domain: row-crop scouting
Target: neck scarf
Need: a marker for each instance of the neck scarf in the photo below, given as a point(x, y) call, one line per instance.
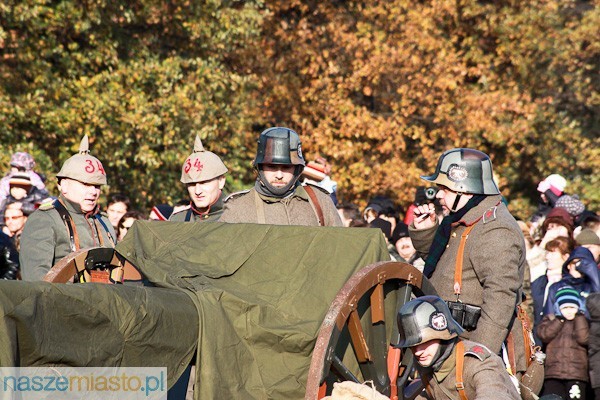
point(442, 235)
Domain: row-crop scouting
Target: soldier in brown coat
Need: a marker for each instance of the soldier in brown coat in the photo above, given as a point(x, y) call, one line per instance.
point(443, 359)
point(493, 257)
point(277, 197)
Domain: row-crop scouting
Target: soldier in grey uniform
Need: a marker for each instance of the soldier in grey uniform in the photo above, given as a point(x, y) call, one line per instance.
point(475, 258)
point(278, 197)
point(204, 174)
point(69, 223)
point(448, 364)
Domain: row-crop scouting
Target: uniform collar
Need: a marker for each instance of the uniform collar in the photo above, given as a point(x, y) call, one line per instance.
point(215, 207)
point(299, 192)
point(474, 214)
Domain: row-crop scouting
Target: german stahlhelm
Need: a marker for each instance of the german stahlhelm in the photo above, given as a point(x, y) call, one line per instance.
point(201, 165)
point(465, 171)
point(83, 167)
point(279, 146)
point(426, 318)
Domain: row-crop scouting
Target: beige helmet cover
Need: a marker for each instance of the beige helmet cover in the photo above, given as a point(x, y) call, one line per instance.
point(201, 165)
point(83, 167)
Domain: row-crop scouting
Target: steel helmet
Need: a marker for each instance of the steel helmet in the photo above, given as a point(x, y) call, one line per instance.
point(83, 167)
point(465, 171)
point(426, 318)
point(201, 165)
point(279, 146)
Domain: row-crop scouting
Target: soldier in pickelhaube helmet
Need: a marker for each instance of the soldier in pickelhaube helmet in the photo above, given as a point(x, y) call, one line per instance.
point(204, 174)
point(278, 197)
point(449, 366)
point(70, 222)
point(476, 256)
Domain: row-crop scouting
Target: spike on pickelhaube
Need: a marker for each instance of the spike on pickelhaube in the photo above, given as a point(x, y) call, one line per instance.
point(198, 144)
point(84, 145)
point(202, 165)
point(83, 167)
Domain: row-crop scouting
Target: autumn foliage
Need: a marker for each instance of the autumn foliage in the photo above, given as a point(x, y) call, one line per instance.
point(380, 88)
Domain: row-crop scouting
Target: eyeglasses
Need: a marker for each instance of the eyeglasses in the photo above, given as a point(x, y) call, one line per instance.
point(8, 218)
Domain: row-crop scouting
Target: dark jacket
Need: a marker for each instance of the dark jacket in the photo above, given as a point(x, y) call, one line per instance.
point(593, 307)
point(566, 347)
point(588, 283)
point(9, 259)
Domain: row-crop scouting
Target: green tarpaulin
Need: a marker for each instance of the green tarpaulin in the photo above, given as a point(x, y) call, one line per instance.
point(249, 298)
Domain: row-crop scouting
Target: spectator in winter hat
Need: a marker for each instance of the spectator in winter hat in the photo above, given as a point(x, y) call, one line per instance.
point(565, 334)
point(22, 163)
point(550, 189)
point(571, 203)
point(589, 239)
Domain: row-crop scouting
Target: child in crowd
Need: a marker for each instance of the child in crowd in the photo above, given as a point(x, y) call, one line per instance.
point(565, 334)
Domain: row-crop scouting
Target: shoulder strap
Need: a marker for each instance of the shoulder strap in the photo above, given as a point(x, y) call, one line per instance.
point(260, 209)
point(315, 202)
point(458, 267)
point(68, 221)
point(113, 240)
point(460, 358)
point(188, 215)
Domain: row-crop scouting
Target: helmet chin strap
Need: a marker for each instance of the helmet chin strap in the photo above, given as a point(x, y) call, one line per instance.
point(456, 201)
point(275, 191)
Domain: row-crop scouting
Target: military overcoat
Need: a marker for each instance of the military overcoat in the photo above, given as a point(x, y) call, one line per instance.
point(493, 266)
point(45, 239)
point(295, 209)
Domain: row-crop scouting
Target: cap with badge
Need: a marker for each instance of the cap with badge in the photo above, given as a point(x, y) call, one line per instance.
point(201, 165)
point(83, 167)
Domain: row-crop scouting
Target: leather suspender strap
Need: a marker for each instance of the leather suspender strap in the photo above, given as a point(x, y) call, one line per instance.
point(260, 209)
point(510, 349)
point(315, 203)
point(68, 221)
point(98, 221)
point(188, 215)
point(425, 380)
point(460, 358)
point(458, 267)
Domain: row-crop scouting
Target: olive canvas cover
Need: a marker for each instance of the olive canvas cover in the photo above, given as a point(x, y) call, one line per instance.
point(260, 293)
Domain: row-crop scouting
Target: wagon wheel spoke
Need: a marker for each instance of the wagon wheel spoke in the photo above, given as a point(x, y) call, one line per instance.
point(358, 336)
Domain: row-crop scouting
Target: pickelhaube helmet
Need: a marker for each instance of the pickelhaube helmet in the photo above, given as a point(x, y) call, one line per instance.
point(201, 165)
point(426, 318)
point(83, 167)
point(465, 171)
point(279, 146)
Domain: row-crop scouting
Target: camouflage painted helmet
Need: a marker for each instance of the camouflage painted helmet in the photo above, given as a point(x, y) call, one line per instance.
point(83, 167)
point(279, 146)
point(465, 171)
point(201, 165)
point(426, 318)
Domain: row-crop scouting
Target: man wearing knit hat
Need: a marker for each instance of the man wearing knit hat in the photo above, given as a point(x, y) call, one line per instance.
point(69, 223)
point(589, 239)
point(204, 174)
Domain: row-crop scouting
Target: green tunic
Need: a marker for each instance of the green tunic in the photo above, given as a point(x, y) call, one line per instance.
point(213, 214)
point(45, 239)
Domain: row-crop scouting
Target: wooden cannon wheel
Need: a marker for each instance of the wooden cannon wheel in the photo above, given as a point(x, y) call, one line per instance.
point(95, 264)
point(357, 331)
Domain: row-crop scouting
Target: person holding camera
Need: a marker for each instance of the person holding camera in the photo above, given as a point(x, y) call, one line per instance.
point(475, 257)
point(565, 333)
